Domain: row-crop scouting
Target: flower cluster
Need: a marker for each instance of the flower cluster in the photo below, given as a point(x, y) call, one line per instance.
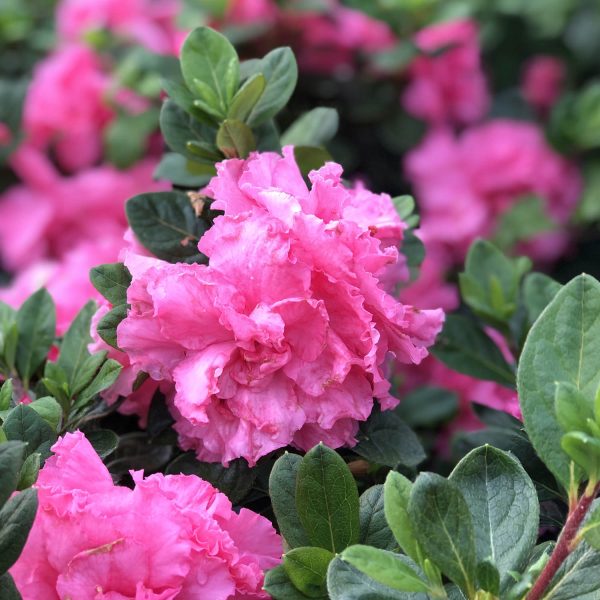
point(283, 337)
point(169, 537)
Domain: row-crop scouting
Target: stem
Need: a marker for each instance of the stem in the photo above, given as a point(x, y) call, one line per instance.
point(563, 546)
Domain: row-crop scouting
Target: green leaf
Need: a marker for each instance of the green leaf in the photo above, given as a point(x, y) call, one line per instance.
point(385, 439)
point(8, 589)
point(591, 528)
point(208, 58)
point(374, 530)
point(396, 496)
point(504, 508)
point(584, 451)
point(344, 582)
point(327, 500)
point(577, 578)
point(107, 326)
point(24, 424)
point(279, 587)
point(307, 569)
point(281, 73)
point(282, 490)
point(490, 283)
point(309, 158)
point(179, 128)
point(235, 139)
point(107, 375)
point(572, 408)
point(36, 324)
point(112, 281)
point(488, 577)
point(12, 455)
point(444, 529)
point(16, 519)
point(6, 392)
point(165, 224)
point(428, 406)
point(466, 348)
point(29, 471)
point(235, 481)
point(563, 345)
point(247, 97)
point(73, 349)
point(314, 128)
point(384, 567)
point(104, 441)
point(89, 369)
point(538, 292)
point(49, 409)
point(177, 169)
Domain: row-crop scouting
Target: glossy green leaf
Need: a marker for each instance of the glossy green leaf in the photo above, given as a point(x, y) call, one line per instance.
point(309, 158)
point(591, 528)
point(12, 455)
point(112, 281)
point(465, 347)
point(107, 375)
point(74, 345)
point(488, 578)
point(91, 365)
point(314, 128)
point(177, 169)
point(29, 471)
point(36, 324)
point(49, 409)
point(307, 569)
point(385, 439)
point(279, 587)
point(107, 326)
point(104, 441)
point(444, 529)
point(247, 97)
point(427, 406)
point(563, 345)
point(25, 425)
point(16, 519)
point(584, 451)
point(281, 73)
point(282, 490)
point(6, 392)
point(572, 408)
point(396, 496)
point(504, 508)
point(235, 139)
point(374, 530)
point(345, 582)
point(384, 567)
point(8, 589)
point(327, 500)
point(210, 67)
point(165, 224)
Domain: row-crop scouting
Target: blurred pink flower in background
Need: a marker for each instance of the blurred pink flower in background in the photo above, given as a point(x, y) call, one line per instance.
point(447, 84)
point(249, 12)
point(66, 107)
point(290, 324)
point(68, 210)
point(330, 41)
point(465, 183)
point(151, 23)
point(542, 81)
point(169, 537)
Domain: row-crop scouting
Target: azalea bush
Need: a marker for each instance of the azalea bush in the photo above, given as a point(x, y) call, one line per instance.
point(293, 303)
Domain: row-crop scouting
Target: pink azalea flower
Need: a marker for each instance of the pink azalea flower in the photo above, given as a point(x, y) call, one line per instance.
point(150, 23)
point(330, 41)
point(49, 214)
point(448, 87)
point(251, 12)
point(282, 338)
point(171, 537)
point(464, 184)
point(542, 83)
point(66, 107)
